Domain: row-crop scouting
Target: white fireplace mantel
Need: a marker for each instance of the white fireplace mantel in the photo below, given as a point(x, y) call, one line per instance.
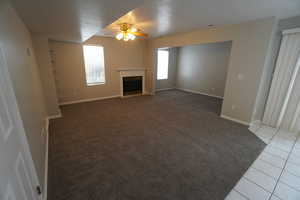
point(130, 69)
point(127, 72)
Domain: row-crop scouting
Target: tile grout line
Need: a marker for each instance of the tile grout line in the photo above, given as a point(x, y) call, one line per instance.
point(284, 166)
point(277, 197)
point(293, 173)
point(269, 163)
point(264, 173)
point(274, 155)
point(290, 186)
point(257, 185)
point(241, 194)
point(276, 132)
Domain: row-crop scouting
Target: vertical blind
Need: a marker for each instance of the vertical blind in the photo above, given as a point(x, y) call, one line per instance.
point(94, 64)
point(283, 104)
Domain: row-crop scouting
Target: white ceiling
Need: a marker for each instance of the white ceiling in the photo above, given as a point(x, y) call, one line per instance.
point(71, 20)
point(77, 20)
point(162, 17)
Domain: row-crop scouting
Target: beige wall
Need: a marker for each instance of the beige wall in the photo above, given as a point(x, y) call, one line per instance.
point(16, 42)
point(69, 67)
point(247, 60)
point(250, 44)
point(172, 72)
point(41, 48)
point(203, 68)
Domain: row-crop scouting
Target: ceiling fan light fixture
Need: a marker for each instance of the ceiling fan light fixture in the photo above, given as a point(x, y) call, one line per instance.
point(129, 32)
point(119, 36)
point(133, 29)
point(125, 38)
point(130, 36)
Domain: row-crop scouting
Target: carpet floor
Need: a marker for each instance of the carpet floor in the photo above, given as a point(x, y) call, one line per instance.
point(171, 146)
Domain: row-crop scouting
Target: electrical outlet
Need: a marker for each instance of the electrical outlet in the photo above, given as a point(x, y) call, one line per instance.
point(43, 132)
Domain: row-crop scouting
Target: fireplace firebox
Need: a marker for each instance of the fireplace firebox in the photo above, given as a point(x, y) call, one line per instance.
point(132, 85)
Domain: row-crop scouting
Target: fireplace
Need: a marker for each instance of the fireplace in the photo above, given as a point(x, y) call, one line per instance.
point(132, 81)
point(132, 85)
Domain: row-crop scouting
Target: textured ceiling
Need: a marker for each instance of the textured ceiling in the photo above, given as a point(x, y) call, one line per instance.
point(71, 20)
point(161, 17)
point(77, 20)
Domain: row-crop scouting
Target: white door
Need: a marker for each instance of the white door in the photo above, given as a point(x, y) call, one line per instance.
point(18, 178)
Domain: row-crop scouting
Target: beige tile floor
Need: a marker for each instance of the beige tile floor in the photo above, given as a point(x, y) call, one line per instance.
point(275, 174)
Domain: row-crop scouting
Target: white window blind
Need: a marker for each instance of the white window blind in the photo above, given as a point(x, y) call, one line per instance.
point(162, 64)
point(94, 64)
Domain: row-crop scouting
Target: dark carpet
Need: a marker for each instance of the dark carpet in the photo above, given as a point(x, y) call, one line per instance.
point(171, 146)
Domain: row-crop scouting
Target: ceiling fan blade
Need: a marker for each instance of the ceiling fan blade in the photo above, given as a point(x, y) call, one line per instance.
point(139, 34)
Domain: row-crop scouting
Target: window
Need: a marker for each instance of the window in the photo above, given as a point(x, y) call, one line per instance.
point(94, 65)
point(162, 64)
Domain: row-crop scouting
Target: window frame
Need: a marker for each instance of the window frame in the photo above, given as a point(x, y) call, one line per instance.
point(167, 50)
point(84, 65)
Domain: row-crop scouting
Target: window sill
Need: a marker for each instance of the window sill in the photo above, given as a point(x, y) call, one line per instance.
point(94, 84)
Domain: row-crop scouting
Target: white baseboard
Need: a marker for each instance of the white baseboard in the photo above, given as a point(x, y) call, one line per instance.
point(197, 92)
point(235, 120)
point(45, 187)
point(88, 100)
point(148, 93)
point(163, 89)
point(256, 123)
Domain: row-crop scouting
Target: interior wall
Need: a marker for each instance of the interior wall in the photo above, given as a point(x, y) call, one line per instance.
point(172, 72)
point(68, 62)
point(266, 78)
point(41, 48)
point(16, 41)
point(247, 60)
point(203, 68)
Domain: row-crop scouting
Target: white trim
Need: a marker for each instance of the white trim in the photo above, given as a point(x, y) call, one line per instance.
point(148, 93)
point(235, 120)
point(196, 92)
point(256, 123)
point(163, 89)
point(54, 116)
point(290, 31)
point(131, 69)
point(296, 115)
point(88, 100)
point(45, 186)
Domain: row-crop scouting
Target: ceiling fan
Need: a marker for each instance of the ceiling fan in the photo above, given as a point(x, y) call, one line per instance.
point(129, 32)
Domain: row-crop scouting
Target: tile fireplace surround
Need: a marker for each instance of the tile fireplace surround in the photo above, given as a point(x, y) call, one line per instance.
point(129, 72)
